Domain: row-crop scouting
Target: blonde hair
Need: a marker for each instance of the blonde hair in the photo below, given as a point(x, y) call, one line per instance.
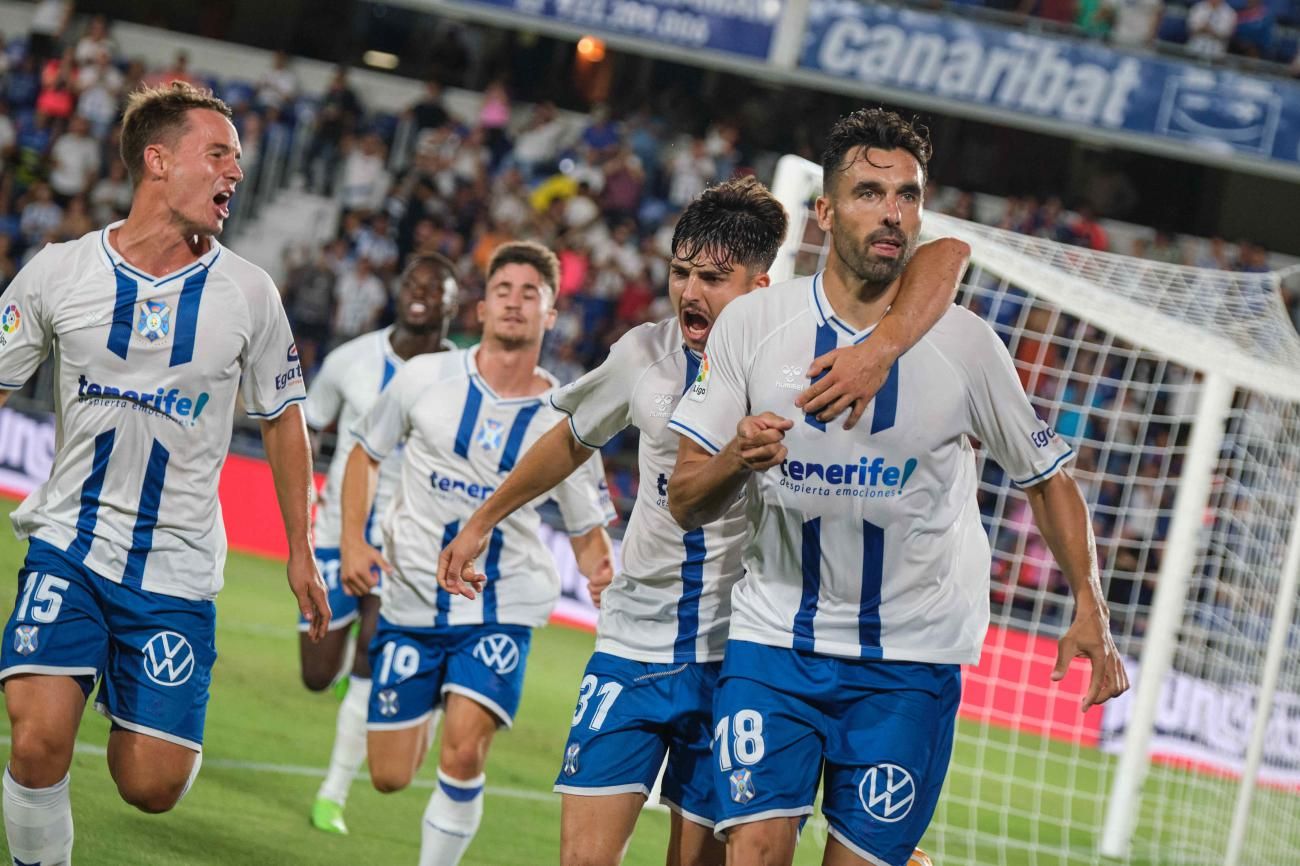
point(158, 115)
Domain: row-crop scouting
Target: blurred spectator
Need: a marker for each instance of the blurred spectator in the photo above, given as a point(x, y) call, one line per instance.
point(338, 115)
point(23, 84)
point(76, 220)
point(41, 215)
point(538, 144)
point(692, 169)
point(1086, 231)
point(360, 299)
point(178, 71)
point(1214, 254)
point(309, 301)
point(96, 43)
point(1254, 34)
point(1210, 24)
point(429, 112)
point(1135, 22)
point(110, 197)
point(375, 244)
point(1059, 11)
point(1166, 248)
point(74, 161)
point(99, 86)
point(278, 86)
point(494, 119)
point(1095, 18)
point(49, 21)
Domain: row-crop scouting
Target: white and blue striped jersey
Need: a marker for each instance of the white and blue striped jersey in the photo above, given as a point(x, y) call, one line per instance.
point(671, 601)
point(341, 393)
point(867, 543)
point(148, 369)
point(460, 439)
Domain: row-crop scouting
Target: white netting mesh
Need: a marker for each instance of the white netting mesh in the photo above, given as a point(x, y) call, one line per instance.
point(1115, 352)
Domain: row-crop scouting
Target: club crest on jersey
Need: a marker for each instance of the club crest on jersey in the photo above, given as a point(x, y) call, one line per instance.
point(168, 659)
point(155, 320)
point(571, 758)
point(499, 652)
point(25, 639)
point(887, 792)
point(742, 786)
point(663, 406)
point(388, 702)
point(491, 434)
point(700, 387)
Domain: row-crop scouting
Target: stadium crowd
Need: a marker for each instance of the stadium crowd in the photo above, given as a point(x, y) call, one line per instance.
point(603, 194)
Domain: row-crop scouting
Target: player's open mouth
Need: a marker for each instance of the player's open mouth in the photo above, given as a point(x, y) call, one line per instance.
point(222, 201)
point(695, 324)
point(887, 247)
point(417, 308)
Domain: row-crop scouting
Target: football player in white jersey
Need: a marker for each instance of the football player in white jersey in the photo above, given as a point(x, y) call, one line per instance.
point(867, 566)
point(648, 690)
point(349, 382)
point(157, 328)
point(465, 418)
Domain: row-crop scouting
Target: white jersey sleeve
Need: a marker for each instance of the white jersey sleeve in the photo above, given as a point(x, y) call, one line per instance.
point(25, 329)
point(272, 375)
point(389, 421)
point(717, 400)
point(1001, 416)
point(599, 403)
point(584, 499)
point(325, 396)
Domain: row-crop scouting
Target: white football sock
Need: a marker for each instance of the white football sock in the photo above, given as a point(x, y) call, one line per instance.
point(349, 742)
point(451, 820)
point(38, 822)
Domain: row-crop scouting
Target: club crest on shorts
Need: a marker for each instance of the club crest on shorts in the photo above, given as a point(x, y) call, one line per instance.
point(491, 434)
point(571, 758)
point(388, 702)
point(742, 786)
point(25, 639)
point(168, 659)
point(499, 652)
point(155, 320)
point(887, 792)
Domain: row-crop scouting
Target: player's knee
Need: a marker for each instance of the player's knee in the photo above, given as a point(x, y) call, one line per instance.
point(577, 852)
point(462, 760)
point(153, 796)
point(755, 844)
point(37, 758)
point(390, 779)
point(317, 680)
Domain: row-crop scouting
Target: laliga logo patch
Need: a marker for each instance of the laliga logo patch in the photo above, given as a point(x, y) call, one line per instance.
point(388, 703)
point(571, 758)
point(491, 434)
point(887, 792)
point(700, 387)
point(168, 659)
point(742, 786)
point(25, 639)
point(11, 319)
point(155, 320)
point(499, 652)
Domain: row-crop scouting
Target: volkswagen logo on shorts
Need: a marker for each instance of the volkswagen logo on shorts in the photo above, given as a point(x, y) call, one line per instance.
point(168, 659)
point(887, 792)
point(499, 652)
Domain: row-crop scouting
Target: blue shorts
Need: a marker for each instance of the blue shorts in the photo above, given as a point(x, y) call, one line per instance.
point(629, 715)
point(414, 667)
point(153, 652)
point(881, 732)
point(344, 608)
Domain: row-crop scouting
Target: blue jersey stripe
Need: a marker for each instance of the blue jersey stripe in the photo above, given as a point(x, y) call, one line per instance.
point(147, 517)
point(119, 335)
point(692, 368)
point(688, 606)
point(468, 418)
point(90, 496)
point(492, 571)
point(444, 598)
point(389, 369)
point(873, 572)
point(187, 318)
point(826, 341)
point(812, 583)
point(515, 440)
point(886, 402)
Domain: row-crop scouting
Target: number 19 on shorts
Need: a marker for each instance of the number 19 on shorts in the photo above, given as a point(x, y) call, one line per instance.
point(739, 736)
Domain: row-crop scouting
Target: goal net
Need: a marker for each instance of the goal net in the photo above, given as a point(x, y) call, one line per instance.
point(1179, 389)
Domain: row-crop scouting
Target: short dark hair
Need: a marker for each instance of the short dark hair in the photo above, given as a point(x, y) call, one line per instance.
point(878, 128)
point(738, 222)
point(527, 253)
point(158, 114)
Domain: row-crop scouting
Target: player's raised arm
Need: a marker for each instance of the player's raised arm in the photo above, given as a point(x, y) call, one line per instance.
point(357, 559)
point(289, 453)
point(1062, 518)
point(553, 458)
point(853, 374)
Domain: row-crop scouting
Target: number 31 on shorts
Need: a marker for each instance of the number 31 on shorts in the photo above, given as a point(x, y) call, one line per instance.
point(608, 693)
point(740, 736)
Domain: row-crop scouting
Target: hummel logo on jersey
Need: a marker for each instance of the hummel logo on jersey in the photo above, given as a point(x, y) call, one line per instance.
point(155, 320)
point(170, 404)
point(25, 639)
point(872, 479)
point(887, 792)
point(168, 659)
point(491, 434)
point(499, 652)
point(791, 378)
point(663, 406)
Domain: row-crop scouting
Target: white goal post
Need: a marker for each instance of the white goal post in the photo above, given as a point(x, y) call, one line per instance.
point(1180, 391)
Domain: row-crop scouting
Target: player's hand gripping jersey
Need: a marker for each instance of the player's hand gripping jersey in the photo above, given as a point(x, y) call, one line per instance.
point(672, 600)
point(148, 370)
point(460, 441)
point(867, 542)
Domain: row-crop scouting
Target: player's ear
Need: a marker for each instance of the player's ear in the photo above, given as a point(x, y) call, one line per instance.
point(824, 211)
point(157, 159)
point(478, 311)
point(761, 281)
